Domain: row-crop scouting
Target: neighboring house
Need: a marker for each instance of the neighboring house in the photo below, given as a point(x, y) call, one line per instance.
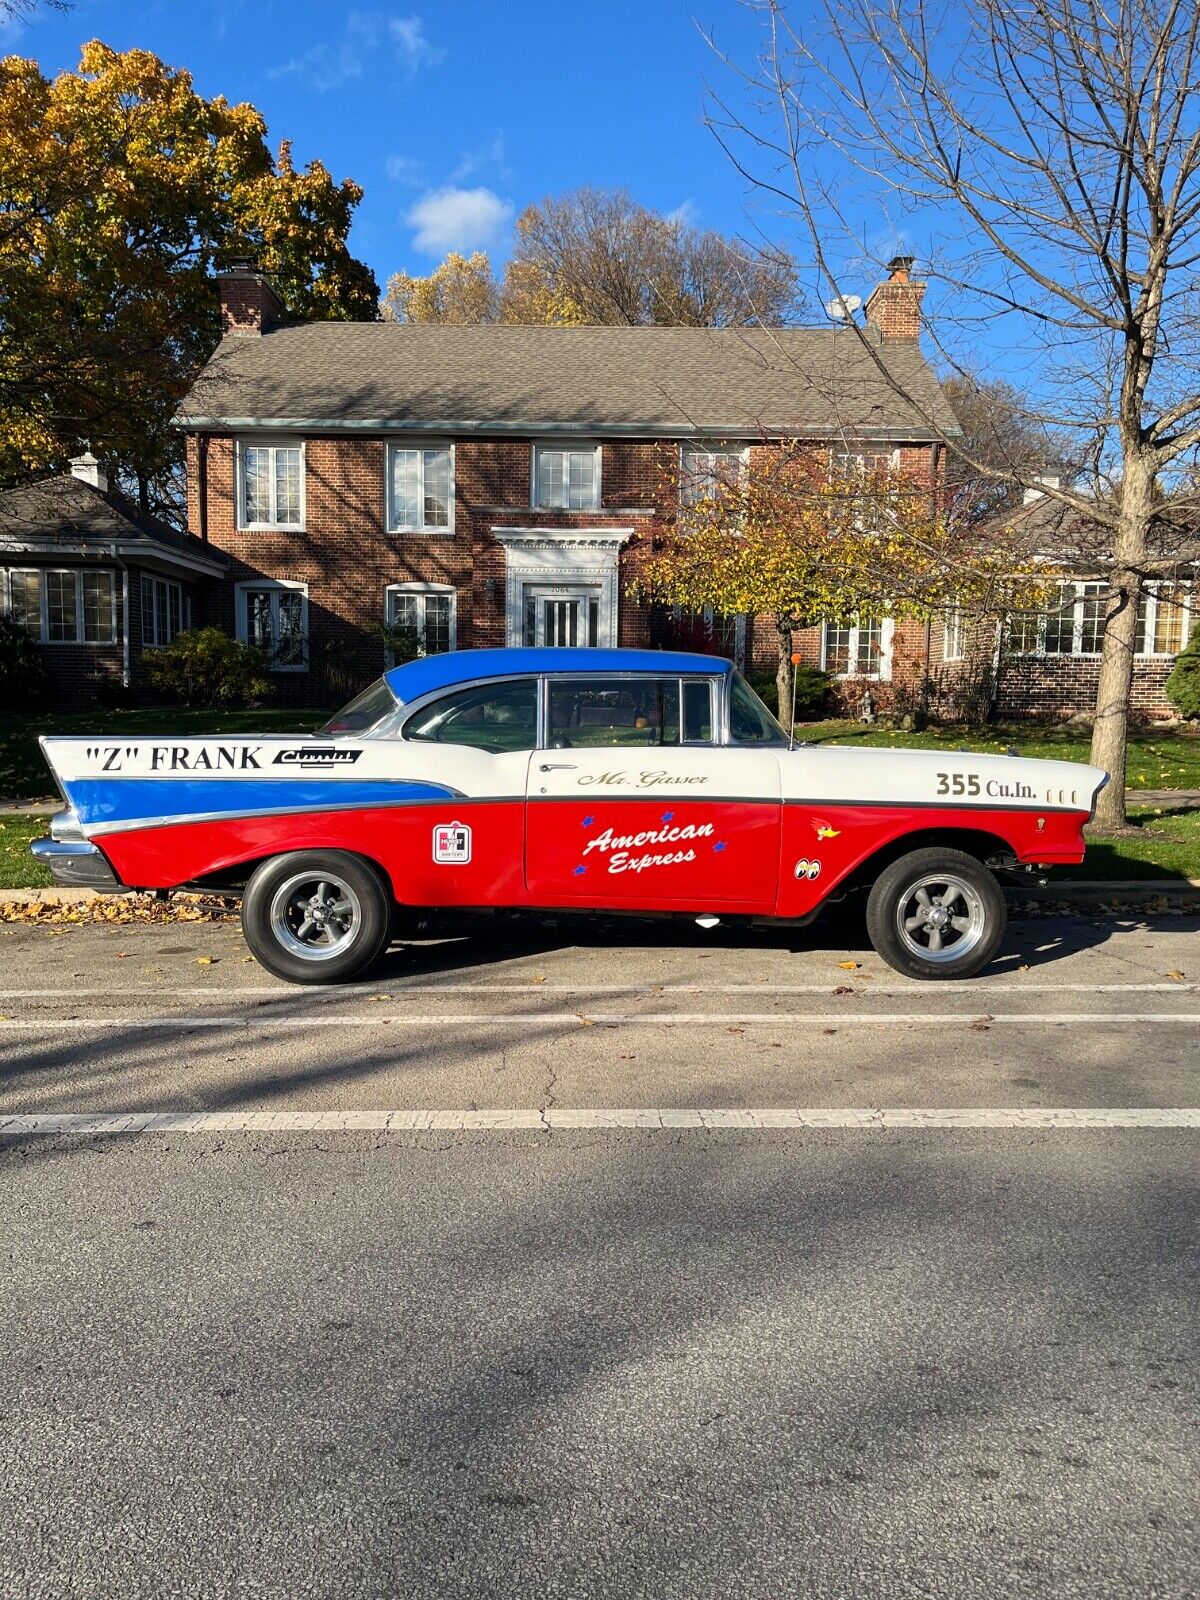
point(94, 582)
point(487, 485)
point(1049, 663)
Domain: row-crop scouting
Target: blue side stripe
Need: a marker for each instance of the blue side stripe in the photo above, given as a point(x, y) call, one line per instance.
point(101, 800)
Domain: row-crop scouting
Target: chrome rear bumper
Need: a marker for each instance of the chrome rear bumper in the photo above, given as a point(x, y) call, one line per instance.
point(75, 864)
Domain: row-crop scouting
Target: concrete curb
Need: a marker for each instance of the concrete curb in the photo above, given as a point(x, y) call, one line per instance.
point(1128, 895)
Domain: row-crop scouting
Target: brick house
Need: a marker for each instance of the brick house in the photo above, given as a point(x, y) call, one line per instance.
point(96, 584)
point(486, 485)
point(489, 485)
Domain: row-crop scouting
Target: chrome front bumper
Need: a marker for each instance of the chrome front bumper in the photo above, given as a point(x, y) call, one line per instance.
point(75, 864)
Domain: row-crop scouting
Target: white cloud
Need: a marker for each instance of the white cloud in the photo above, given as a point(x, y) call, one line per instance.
point(413, 48)
point(458, 219)
point(686, 213)
point(404, 169)
point(323, 67)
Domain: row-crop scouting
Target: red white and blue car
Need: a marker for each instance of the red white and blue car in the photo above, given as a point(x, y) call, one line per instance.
point(583, 780)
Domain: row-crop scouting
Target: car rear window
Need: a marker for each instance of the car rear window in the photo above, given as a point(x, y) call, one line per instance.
point(493, 716)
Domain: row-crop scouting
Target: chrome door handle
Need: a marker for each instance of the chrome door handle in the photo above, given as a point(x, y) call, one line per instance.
point(557, 766)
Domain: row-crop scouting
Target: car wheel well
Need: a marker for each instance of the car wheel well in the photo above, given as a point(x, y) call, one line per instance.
point(987, 848)
point(233, 879)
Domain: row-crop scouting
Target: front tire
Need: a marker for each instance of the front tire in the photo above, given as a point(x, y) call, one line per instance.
point(936, 914)
point(317, 916)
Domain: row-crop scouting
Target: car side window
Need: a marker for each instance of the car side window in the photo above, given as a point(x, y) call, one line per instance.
point(620, 712)
point(493, 716)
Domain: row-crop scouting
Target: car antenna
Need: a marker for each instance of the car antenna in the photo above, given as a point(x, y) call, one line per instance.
point(796, 660)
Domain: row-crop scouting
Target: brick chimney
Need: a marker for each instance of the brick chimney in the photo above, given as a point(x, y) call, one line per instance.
point(895, 306)
point(249, 305)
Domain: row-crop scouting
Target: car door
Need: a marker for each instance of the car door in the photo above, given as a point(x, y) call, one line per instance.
point(630, 803)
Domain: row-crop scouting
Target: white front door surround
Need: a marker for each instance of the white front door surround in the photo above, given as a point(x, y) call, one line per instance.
point(547, 565)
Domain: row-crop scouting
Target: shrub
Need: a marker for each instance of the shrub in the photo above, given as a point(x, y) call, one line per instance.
point(205, 667)
point(1183, 686)
point(22, 676)
point(812, 687)
point(402, 644)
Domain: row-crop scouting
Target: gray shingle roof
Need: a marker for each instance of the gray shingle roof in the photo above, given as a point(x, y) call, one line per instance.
point(66, 512)
point(632, 380)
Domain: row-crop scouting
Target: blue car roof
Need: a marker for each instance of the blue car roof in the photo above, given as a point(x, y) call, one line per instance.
point(416, 678)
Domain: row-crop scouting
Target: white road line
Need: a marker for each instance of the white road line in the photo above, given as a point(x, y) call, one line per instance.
point(861, 983)
point(249, 1023)
point(527, 1119)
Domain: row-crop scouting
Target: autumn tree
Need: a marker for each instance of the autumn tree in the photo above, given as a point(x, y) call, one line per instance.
point(460, 290)
point(121, 189)
point(1047, 156)
point(612, 260)
point(791, 536)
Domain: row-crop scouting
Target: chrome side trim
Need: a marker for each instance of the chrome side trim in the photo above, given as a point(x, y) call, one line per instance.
point(98, 830)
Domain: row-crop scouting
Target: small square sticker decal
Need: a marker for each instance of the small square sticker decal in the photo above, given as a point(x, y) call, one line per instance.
point(452, 843)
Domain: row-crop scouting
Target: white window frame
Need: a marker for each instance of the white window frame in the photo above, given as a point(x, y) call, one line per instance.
point(42, 635)
point(859, 453)
point(717, 448)
point(954, 634)
point(569, 447)
point(1083, 589)
point(422, 591)
point(251, 443)
point(184, 610)
point(279, 586)
point(886, 630)
point(420, 446)
point(1188, 608)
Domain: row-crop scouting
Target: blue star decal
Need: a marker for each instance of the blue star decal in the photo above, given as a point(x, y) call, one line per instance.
point(587, 821)
point(579, 871)
point(720, 845)
point(667, 816)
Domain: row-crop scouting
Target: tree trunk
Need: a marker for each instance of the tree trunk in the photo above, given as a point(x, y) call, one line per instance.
point(1111, 730)
point(784, 673)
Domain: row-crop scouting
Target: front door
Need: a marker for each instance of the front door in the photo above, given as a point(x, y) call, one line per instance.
point(633, 806)
point(558, 615)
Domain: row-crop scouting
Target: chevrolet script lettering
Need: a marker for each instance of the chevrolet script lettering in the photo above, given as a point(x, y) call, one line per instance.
point(317, 756)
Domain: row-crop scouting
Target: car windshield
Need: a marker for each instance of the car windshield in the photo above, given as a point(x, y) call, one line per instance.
point(749, 720)
point(366, 711)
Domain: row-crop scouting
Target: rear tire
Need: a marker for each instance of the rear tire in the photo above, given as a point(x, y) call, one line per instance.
point(936, 914)
point(317, 916)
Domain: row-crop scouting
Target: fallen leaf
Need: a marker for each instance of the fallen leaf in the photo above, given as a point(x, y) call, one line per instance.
point(843, 988)
point(828, 1030)
point(850, 966)
point(1175, 976)
point(539, 977)
point(371, 999)
point(206, 961)
point(586, 1022)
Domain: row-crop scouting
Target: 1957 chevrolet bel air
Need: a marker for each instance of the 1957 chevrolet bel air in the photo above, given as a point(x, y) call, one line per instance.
point(603, 780)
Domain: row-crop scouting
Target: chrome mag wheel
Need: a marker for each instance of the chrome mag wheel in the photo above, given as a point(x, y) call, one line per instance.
point(316, 918)
point(940, 917)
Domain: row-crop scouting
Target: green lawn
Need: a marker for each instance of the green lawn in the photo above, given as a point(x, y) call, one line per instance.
point(25, 776)
point(1157, 760)
point(1166, 846)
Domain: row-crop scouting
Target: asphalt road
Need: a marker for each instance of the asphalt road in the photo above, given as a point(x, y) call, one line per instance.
point(289, 1357)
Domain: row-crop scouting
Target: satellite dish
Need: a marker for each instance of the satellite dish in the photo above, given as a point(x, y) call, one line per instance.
point(843, 307)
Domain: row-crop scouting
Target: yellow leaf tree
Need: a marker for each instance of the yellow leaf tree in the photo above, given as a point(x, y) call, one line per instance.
point(792, 536)
point(121, 189)
point(461, 290)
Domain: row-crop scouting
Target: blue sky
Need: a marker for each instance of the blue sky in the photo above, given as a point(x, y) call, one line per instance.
point(452, 114)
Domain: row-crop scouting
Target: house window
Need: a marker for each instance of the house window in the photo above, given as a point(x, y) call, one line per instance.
point(63, 605)
point(953, 639)
point(861, 462)
point(1071, 625)
point(566, 479)
point(427, 611)
point(421, 489)
point(703, 469)
point(1164, 614)
point(163, 610)
point(854, 649)
point(274, 617)
point(270, 485)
